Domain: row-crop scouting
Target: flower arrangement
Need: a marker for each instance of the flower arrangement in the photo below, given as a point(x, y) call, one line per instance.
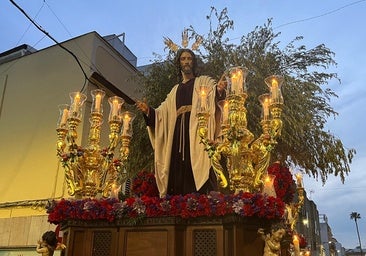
point(86, 209)
point(284, 184)
point(187, 206)
point(145, 202)
point(302, 241)
point(144, 184)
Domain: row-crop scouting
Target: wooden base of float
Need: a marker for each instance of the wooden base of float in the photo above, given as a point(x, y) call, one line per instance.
point(169, 236)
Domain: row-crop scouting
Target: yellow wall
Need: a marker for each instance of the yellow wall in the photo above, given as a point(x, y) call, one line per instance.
point(31, 88)
point(34, 87)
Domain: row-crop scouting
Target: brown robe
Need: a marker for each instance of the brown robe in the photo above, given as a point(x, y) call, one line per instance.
point(174, 138)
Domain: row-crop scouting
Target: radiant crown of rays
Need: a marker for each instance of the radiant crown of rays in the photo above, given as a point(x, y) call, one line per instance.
point(185, 40)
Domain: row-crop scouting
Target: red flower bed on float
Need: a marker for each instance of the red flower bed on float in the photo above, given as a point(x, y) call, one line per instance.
point(144, 202)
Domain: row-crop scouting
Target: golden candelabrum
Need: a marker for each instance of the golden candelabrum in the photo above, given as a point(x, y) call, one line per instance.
point(293, 209)
point(91, 171)
point(246, 158)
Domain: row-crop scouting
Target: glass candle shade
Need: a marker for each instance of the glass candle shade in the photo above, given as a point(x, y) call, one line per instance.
point(268, 187)
point(77, 101)
point(115, 104)
point(97, 101)
point(224, 106)
point(274, 84)
point(127, 119)
point(265, 101)
point(64, 114)
point(203, 98)
point(236, 80)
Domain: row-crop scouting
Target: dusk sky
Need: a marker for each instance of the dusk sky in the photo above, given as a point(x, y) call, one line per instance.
point(337, 24)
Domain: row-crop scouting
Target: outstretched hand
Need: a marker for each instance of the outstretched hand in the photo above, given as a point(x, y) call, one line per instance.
point(142, 106)
point(222, 84)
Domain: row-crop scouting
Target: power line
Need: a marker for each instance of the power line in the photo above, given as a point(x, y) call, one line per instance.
point(30, 26)
point(321, 15)
point(53, 39)
point(306, 19)
point(71, 36)
point(99, 78)
point(313, 17)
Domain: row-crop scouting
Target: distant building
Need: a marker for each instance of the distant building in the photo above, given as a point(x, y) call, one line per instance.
point(16, 53)
point(317, 232)
point(355, 252)
point(308, 225)
point(329, 244)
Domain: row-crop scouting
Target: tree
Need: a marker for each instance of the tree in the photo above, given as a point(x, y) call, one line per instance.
point(304, 142)
point(355, 216)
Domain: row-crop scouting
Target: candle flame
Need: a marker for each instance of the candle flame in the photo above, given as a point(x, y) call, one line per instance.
point(267, 179)
point(274, 82)
point(127, 117)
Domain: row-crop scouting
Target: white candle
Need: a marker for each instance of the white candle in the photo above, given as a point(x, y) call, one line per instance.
point(299, 180)
point(126, 124)
point(234, 82)
point(240, 81)
point(65, 114)
point(77, 99)
point(266, 109)
point(114, 191)
point(115, 108)
point(98, 101)
point(76, 103)
point(237, 82)
point(268, 188)
point(275, 90)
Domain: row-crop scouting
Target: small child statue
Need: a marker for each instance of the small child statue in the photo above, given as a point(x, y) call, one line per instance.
point(272, 240)
point(48, 244)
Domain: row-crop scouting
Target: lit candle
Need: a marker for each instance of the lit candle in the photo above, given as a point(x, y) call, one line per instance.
point(240, 81)
point(275, 90)
point(76, 103)
point(114, 191)
point(225, 114)
point(77, 99)
point(203, 99)
point(299, 180)
point(234, 83)
point(237, 81)
point(296, 243)
point(65, 114)
point(115, 108)
point(126, 124)
point(98, 101)
point(268, 188)
point(266, 109)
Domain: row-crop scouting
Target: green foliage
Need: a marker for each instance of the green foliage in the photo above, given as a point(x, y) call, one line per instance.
point(304, 142)
point(158, 81)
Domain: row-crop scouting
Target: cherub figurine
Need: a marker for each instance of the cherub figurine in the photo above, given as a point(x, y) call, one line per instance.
point(49, 244)
point(272, 240)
